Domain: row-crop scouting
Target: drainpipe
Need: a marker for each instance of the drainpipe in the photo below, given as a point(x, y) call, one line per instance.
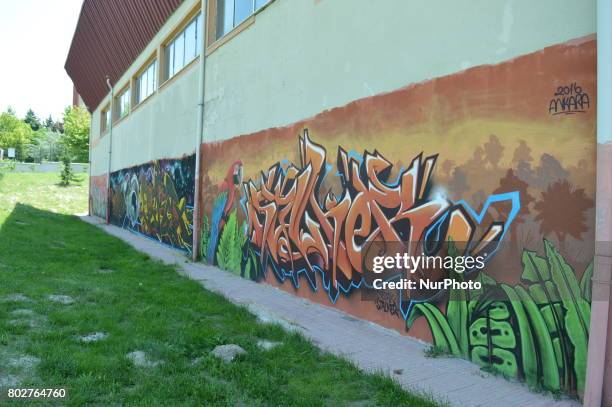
point(89, 162)
point(110, 148)
point(600, 345)
point(199, 137)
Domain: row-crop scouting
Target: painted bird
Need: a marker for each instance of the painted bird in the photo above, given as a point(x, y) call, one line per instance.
point(224, 202)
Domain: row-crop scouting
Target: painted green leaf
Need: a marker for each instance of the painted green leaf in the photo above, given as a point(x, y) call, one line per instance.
point(557, 345)
point(205, 237)
point(502, 360)
point(535, 268)
point(578, 312)
point(488, 308)
point(586, 285)
point(528, 349)
point(440, 329)
point(537, 293)
point(457, 315)
point(545, 349)
point(549, 312)
point(229, 254)
point(250, 265)
point(545, 293)
point(556, 328)
point(500, 333)
point(485, 281)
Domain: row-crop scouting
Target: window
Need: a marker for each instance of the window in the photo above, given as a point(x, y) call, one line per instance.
point(105, 119)
point(122, 104)
point(146, 82)
point(231, 13)
point(183, 48)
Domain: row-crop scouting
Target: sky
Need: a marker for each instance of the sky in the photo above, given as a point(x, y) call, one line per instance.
point(35, 36)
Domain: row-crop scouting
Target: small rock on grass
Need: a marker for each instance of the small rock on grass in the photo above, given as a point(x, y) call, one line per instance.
point(30, 323)
point(15, 298)
point(228, 352)
point(61, 299)
point(22, 312)
point(266, 344)
point(196, 361)
point(93, 337)
point(140, 359)
point(7, 380)
point(24, 361)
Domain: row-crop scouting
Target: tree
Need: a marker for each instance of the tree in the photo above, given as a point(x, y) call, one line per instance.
point(493, 150)
point(447, 167)
point(58, 127)
point(513, 183)
point(32, 120)
point(476, 163)
point(49, 123)
point(66, 175)
point(549, 171)
point(14, 133)
point(458, 184)
point(76, 132)
point(522, 153)
point(46, 145)
point(561, 211)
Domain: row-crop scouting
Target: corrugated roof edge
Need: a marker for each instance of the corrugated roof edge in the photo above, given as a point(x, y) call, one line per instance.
point(108, 37)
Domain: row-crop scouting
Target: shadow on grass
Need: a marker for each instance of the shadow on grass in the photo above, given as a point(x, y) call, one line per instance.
point(19, 227)
point(137, 305)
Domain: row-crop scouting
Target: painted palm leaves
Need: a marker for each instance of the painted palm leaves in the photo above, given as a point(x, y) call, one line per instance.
point(537, 331)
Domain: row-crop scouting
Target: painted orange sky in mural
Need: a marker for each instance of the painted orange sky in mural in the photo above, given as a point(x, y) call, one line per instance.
point(448, 115)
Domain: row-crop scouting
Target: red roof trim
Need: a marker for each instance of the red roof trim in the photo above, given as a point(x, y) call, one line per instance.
point(109, 36)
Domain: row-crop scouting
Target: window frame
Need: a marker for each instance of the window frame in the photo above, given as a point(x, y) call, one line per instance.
point(213, 39)
point(137, 98)
point(180, 29)
point(105, 123)
point(117, 112)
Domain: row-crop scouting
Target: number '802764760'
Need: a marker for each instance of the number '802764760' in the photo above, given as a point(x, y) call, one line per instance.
point(36, 393)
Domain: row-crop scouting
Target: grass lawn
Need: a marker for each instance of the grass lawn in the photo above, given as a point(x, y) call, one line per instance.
point(136, 304)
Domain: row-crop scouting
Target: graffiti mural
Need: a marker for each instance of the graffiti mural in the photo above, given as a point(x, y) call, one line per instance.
point(156, 200)
point(98, 195)
point(294, 228)
point(483, 158)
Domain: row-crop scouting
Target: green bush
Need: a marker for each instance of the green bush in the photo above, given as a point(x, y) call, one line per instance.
point(67, 175)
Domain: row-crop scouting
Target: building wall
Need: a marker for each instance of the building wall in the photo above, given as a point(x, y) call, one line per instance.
point(432, 118)
point(307, 56)
point(332, 124)
point(301, 206)
point(153, 152)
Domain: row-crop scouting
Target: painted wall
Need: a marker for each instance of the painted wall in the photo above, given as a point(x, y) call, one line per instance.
point(161, 127)
point(410, 121)
point(299, 63)
point(499, 157)
point(156, 200)
point(98, 195)
point(153, 154)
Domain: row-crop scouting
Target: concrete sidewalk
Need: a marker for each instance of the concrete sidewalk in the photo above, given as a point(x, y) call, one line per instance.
point(369, 346)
